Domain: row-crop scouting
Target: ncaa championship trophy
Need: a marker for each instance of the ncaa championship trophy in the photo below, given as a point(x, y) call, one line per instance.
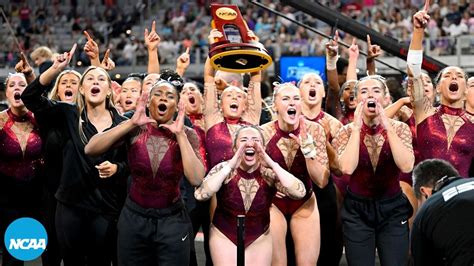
point(235, 51)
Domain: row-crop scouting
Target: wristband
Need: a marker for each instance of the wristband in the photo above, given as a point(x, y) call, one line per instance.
point(331, 62)
point(414, 61)
point(308, 148)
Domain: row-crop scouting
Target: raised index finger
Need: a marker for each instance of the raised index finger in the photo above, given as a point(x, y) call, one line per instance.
point(23, 58)
point(187, 50)
point(369, 42)
point(87, 36)
point(106, 55)
point(153, 26)
point(73, 50)
point(427, 6)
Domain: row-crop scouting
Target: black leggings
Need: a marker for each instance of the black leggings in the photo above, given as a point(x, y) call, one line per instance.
point(85, 237)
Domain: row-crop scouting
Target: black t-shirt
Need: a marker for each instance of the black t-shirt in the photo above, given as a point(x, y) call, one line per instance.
point(443, 230)
point(80, 184)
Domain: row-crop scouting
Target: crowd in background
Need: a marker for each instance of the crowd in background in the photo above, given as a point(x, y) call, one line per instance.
point(114, 24)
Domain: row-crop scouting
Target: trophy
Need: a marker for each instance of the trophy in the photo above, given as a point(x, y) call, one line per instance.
point(235, 51)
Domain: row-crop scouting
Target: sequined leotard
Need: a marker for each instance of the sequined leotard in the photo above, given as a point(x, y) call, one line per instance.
point(201, 134)
point(232, 201)
point(21, 160)
point(156, 166)
point(219, 140)
point(348, 117)
point(293, 161)
point(374, 178)
point(454, 145)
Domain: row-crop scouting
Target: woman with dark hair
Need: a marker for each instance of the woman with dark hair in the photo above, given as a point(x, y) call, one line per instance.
point(91, 189)
point(130, 91)
point(154, 227)
point(444, 132)
point(246, 185)
point(21, 161)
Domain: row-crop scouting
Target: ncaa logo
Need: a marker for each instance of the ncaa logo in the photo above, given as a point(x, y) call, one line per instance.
point(26, 239)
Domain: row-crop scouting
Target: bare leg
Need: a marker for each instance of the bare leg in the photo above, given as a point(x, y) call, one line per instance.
point(278, 230)
point(259, 252)
point(304, 226)
point(223, 251)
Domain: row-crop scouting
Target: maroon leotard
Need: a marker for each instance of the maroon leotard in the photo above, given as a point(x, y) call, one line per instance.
point(432, 139)
point(348, 117)
point(364, 181)
point(219, 141)
point(298, 168)
point(230, 204)
point(201, 134)
point(334, 124)
point(19, 169)
point(156, 166)
point(13, 162)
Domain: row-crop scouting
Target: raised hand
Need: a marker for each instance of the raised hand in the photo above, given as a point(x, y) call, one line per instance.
point(327, 128)
point(140, 118)
point(106, 169)
point(332, 46)
point(264, 157)
point(91, 48)
point(354, 49)
point(152, 39)
point(62, 60)
point(373, 50)
point(252, 36)
point(221, 84)
point(237, 158)
point(116, 87)
point(381, 113)
point(177, 127)
point(107, 63)
point(421, 18)
point(214, 36)
point(23, 66)
point(183, 60)
point(305, 140)
point(357, 124)
point(303, 135)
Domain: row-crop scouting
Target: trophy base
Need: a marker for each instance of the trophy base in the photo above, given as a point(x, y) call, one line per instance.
point(239, 57)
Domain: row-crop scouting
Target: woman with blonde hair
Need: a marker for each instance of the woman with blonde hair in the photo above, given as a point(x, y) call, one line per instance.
point(42, 56)
point(65, 89)
point(298, 146)
point(21, 161)
point(91, 190)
